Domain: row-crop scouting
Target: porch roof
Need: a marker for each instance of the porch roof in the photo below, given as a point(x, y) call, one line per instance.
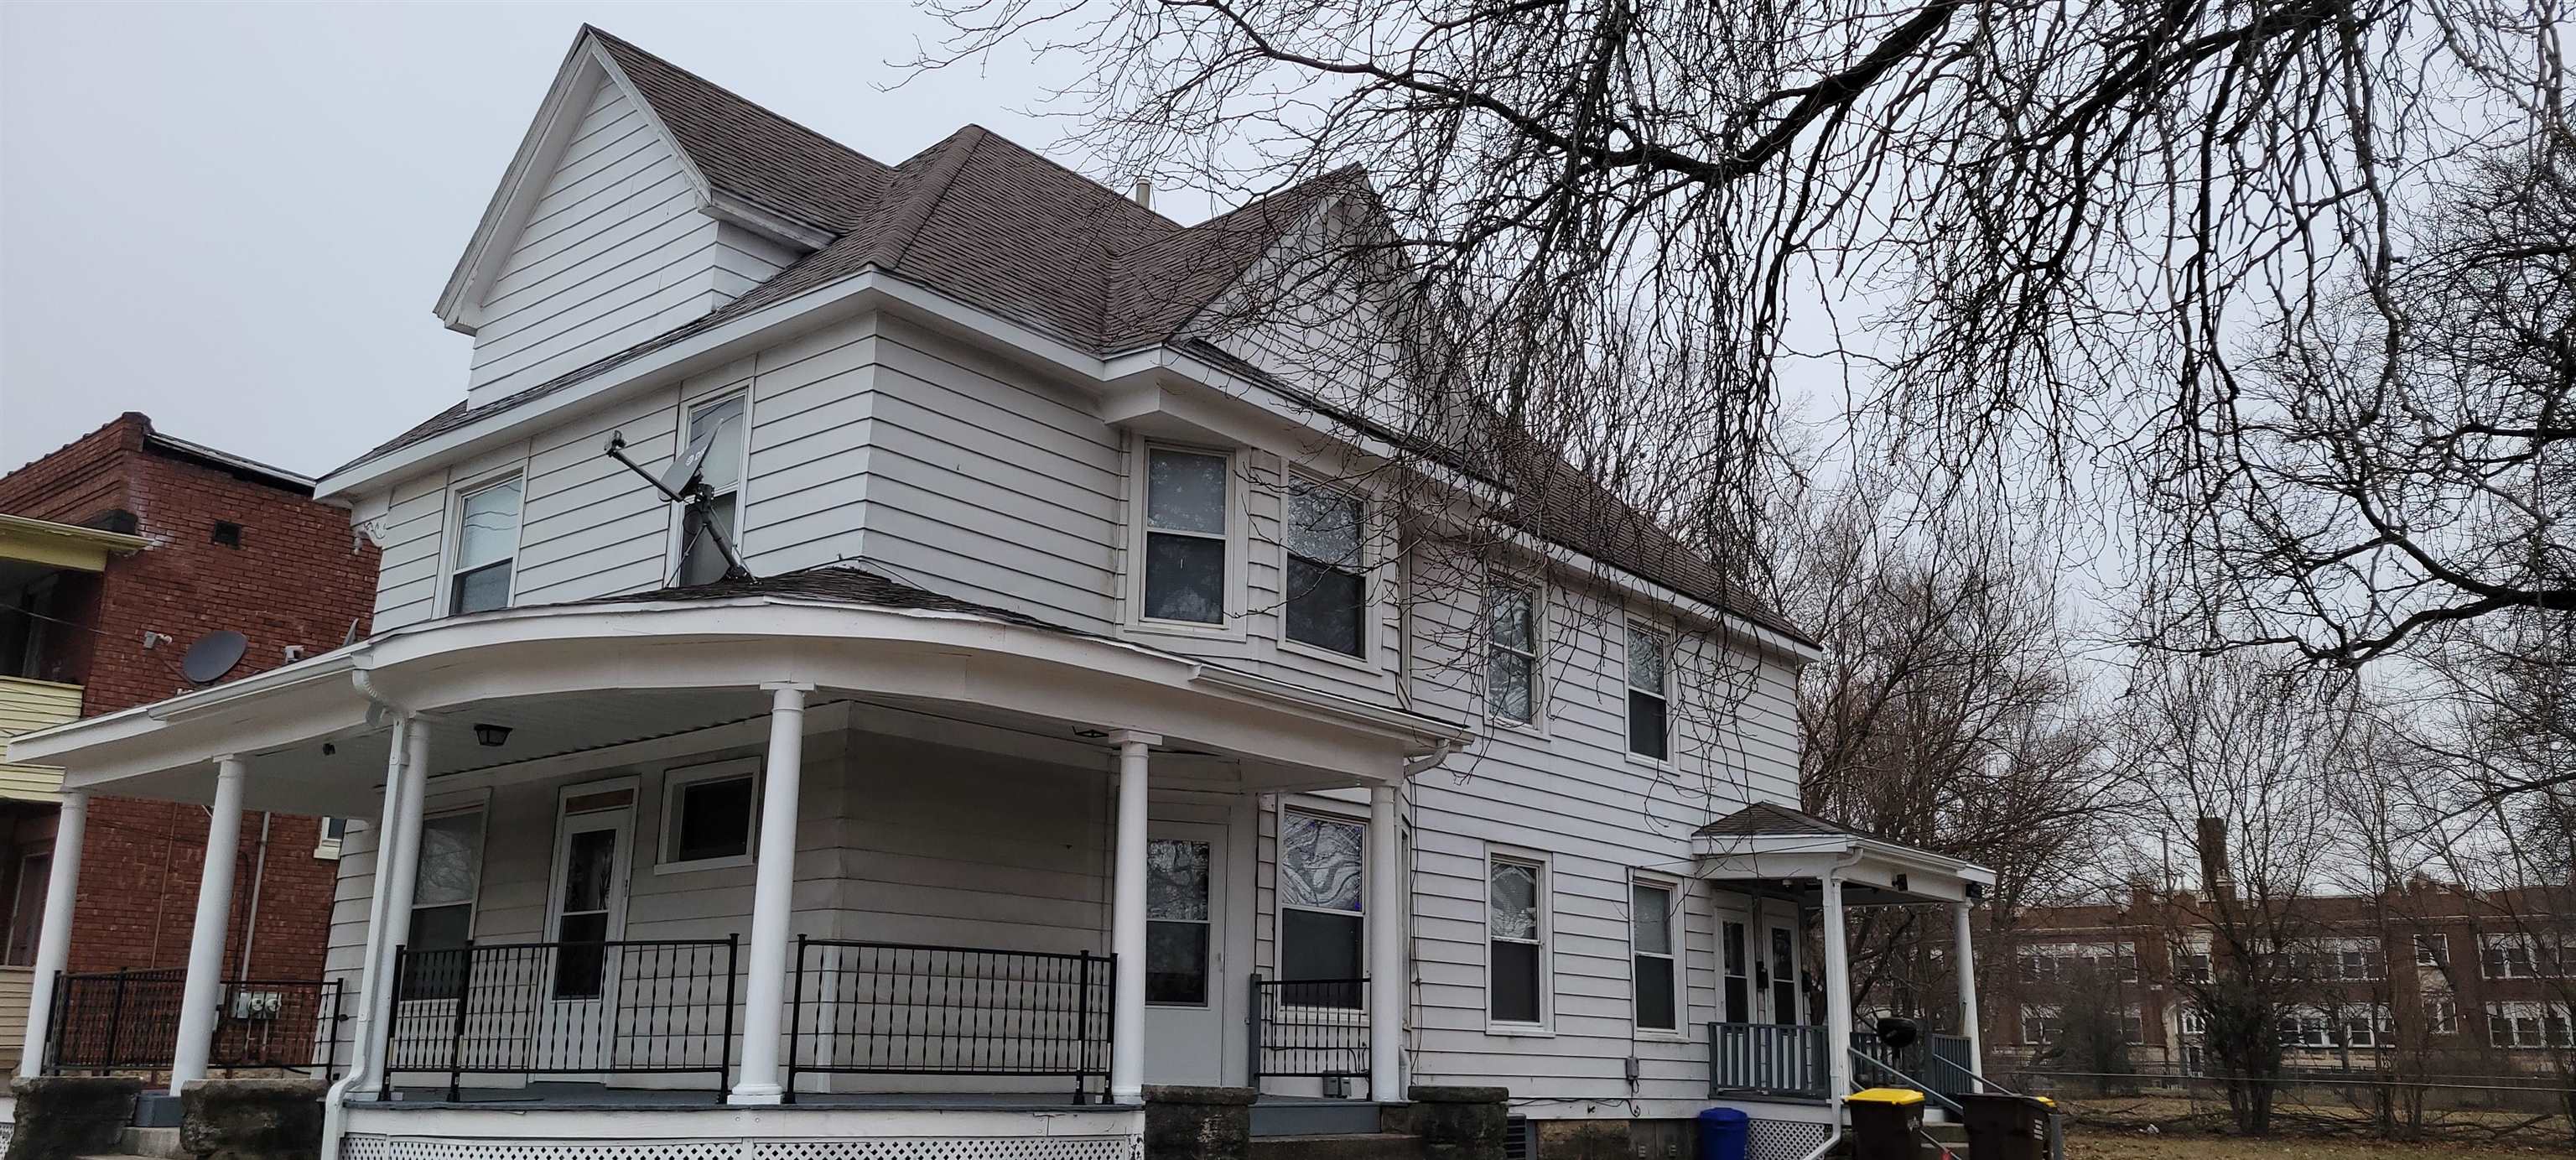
point(570, 679)
point(1764, 842)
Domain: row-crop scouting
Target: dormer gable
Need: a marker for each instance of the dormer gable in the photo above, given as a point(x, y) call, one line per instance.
point(640, 199)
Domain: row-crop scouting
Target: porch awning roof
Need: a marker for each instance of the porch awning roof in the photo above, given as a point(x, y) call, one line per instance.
point(1771, 843)
point(577, 677)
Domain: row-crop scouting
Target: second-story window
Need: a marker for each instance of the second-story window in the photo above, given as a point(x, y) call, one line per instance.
point(719, 423)
point(1647, 732)
point(1185, 536)
point(487, 539)
point(1327, 583)
point(1511, 666)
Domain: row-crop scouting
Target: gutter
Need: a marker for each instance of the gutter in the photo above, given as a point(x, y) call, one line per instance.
point(1280, 691)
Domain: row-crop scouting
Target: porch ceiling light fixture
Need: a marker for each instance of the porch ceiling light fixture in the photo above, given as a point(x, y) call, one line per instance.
point(493, 736)
point(1091, 734)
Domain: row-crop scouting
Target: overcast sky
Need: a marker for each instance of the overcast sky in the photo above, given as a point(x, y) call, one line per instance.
point(235, 218)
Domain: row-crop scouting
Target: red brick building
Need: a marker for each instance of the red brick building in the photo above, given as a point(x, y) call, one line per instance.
point(117, 553)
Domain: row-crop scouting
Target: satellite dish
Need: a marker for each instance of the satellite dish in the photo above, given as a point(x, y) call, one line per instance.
point(692, 461)
point(212, 656)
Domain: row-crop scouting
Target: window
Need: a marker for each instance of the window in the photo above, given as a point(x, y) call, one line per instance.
point(334, 832)
point(1176, 922)
point(1784, 975)
point(2441, 1015)
point(1185, 536)
point(442, 907)
point(1511, 664)
point(1646, 677)
point(2528, 1025)
point(1650, 946)
point(1327, 583)
point(2363, 1026)
point(2518, 956)
point(2040, 1024)
point(708, 814)
point(227, 534)
point(27, 906)
point(2190, 1021)
point(1320, 888)
point(2192, 966)
point(487, 537)
point(719, 425)
point(1738, 996)
point(2432, 950)
point(2306, 1028)
point(1516, 931)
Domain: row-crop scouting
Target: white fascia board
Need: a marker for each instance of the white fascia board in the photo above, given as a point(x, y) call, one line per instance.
point(126, 724)
point(1797, 650)
point(1729, 848)
point(1407, 724)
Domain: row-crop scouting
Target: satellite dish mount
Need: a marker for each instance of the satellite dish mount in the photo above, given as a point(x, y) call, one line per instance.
point(684, 484)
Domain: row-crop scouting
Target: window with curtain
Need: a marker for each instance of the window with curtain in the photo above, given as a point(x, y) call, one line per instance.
point(1327, 582)
point(487, 540)
point(1650, 946)
point(1511, 665)
point(1516, 935)
point(1321, 884)
point(1185, 536)
point(1177, 883)
point(450, 869)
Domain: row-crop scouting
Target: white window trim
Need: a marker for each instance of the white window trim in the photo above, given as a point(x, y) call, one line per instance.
point(672, 543)
point(1671, 639)
point(681, 777)
point(1677, 930)
point(1538, 593)
point(1376, 595)
point(452, 533)
point(324, 845)
point(1546, 1026)
point(1139, 526)
point(1279, 905)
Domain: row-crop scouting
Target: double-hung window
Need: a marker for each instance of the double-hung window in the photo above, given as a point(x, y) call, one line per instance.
point(450, 870)
point(1327, 579)
point(2441, 1014)
point(2432, 950)
point(1517, 937)
point(1321, 884)
point(718, 424)
point(487, 540)
point(1186, 508)
point(708, 814)
point(1511, 665)
point(1650, 947)
point(1648, 733)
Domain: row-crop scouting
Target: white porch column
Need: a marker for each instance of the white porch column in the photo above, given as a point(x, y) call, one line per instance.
point(1967, 952)
point(54, 936)
point(773, 907)
point(1386, 949)
point(1127, 922)
point(407, 791)
point(202, 997)
point(1838, 997)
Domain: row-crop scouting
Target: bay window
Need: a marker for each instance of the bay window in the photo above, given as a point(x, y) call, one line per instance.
point(487, 540)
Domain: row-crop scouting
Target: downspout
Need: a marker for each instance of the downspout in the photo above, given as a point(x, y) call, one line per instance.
point(397, 774)
point(258, 874)
point(1832, 884)
point(1427, 762)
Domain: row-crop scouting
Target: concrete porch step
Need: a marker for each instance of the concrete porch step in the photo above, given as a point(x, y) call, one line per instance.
point(1338, 1146)
point(1292, 1116)
point(151, 1142)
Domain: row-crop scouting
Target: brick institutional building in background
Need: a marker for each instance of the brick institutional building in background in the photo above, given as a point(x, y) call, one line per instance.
point(117, 553)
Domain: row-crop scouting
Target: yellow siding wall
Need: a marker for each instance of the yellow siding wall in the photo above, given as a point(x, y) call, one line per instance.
point(26, 705)
point(17, 984)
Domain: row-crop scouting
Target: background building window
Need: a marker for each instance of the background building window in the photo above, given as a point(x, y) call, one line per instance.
point(1515, 935)
point(1321, 884)
point(1650, 945)
point(719, 423)
point(487, 537)
point(1646, 707)
point(1176, 922)
point(1185, 537)
point(1327, 582)
point(1511, 667)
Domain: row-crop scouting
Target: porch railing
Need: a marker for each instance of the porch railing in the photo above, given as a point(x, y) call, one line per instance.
point(1309, 1027)
point(1779, 1059)
point(129, 1021)
point(876, 1008)
point(564, 1009)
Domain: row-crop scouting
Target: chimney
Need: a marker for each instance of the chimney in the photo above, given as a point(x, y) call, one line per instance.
point(2142, 894)
point(1144, 193)
point(2214, 875)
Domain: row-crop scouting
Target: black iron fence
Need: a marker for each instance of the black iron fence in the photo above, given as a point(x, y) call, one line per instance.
point(564, 1009)
point(128, 1020)
point(1779, 1059)
point(1309, 1027)
point(911, 1009)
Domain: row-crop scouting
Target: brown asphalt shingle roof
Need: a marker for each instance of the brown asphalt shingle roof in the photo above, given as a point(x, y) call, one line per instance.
point(998, 226)
point(1764, 819)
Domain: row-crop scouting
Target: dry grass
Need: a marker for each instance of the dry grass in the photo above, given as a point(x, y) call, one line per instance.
point(2103, 1144)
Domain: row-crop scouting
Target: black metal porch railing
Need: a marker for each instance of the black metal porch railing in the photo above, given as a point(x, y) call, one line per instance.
point(1946, 1065)
point(564, 1009)
point(1309, 1027)
point(1779, 1059)
point(910, 1009)
point(107, 1021)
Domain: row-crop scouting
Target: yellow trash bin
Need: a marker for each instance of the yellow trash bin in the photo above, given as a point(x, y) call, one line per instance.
point(1885, 1123)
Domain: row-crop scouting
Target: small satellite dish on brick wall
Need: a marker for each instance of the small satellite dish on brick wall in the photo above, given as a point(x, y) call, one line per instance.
point(212, 656)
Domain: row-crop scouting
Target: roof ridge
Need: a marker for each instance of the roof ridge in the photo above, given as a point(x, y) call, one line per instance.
point(1112, 195)
point(904, 226)
point(791, 122)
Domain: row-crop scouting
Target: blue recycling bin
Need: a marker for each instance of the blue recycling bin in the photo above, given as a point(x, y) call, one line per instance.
point(1724, 1133)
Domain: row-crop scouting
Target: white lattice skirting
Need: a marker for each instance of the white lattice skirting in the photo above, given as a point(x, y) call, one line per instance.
point(1783, 1139)
point(386, 1147)
point(843, 1133)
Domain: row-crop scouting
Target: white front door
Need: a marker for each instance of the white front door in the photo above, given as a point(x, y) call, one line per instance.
point(586, 911)
point(1186, 984)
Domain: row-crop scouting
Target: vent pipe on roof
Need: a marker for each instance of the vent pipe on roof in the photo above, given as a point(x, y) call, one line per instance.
point(1144, 193)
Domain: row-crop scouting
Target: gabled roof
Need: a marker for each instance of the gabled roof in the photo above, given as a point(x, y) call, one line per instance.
point(1763, 819)
point(988, 222)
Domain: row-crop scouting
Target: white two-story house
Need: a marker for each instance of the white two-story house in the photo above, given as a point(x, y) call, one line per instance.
point(1086, 715)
